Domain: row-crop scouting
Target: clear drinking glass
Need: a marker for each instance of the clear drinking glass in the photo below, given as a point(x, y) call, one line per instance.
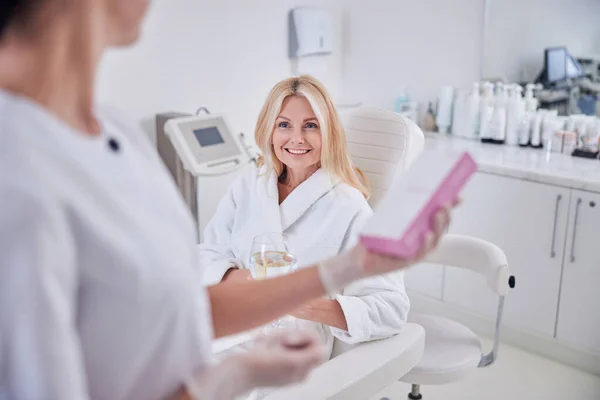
point(270, 257)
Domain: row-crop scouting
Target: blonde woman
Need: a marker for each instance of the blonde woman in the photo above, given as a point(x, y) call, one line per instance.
point(307, 187)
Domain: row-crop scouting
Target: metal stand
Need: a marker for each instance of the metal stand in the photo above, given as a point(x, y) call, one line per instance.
point(415, 393)
point(188, 187)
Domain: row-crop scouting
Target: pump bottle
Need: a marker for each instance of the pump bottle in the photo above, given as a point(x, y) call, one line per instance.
point(497, 127)
point(486, 109)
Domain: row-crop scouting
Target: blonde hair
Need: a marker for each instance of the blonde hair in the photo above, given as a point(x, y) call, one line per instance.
point(335, 158)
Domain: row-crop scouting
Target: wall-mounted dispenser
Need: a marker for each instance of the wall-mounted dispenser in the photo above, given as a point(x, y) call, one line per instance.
point(310, 32)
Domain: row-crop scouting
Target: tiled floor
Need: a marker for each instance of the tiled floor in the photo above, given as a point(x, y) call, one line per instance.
point(516, 375)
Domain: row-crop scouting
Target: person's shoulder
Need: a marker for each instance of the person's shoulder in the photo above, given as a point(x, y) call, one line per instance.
point(349, 196)
point(251, 172)
point(111, 114)
point(14, 121)
point(247, 177)
point(24, 202)
point(115, 121)
point(27, 179)
point(21, 156)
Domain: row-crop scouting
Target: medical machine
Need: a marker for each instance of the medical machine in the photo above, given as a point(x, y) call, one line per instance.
point(203, 156)
point(591, 66)
point(561, 77)
point(559, 66)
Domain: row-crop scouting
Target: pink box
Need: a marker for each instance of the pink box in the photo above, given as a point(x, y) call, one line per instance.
point(406, 213)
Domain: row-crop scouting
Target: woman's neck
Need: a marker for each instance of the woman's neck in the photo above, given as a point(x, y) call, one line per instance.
point(56, 69)
point(295, 177)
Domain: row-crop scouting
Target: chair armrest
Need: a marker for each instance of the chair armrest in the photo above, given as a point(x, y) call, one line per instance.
point(474, 254)
point(362, 371)
point(485, 258)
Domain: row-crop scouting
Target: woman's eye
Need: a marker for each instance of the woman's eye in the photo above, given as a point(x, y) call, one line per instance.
point(311, 125)
point(283, 125)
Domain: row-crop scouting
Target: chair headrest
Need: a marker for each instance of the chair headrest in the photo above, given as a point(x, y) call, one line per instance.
point(382, 144)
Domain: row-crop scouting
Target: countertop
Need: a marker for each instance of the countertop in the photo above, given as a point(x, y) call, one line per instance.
point(523, 163)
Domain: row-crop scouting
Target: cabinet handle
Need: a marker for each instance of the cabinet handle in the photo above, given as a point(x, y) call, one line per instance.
point(552, 247)
point(575, 229)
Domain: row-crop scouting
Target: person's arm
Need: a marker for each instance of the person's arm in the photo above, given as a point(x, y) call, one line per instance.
point(242, 306)
point(275, 360)
point(239, 306)
point(324, 311)
point(374, 308)
point(40, 350)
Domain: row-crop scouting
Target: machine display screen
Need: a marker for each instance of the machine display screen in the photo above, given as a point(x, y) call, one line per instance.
point(208, 136)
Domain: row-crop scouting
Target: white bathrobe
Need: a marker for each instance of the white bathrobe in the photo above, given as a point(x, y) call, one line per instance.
point(322, 217)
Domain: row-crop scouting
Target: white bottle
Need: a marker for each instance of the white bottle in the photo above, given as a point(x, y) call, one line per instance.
point(472, 110)
point(536, 128)
point(402, 101)
point(498, 122)
point(514, 115)
point(486, 109)
point(524, 128)
point(458, 114)
point(527, 123)
point(444, 108)
point(531, 103)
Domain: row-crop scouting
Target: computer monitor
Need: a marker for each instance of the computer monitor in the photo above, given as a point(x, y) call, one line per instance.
point(555, 64)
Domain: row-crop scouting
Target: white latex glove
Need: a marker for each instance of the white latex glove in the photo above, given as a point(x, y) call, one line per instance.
point(358, 263)
point(275, 360)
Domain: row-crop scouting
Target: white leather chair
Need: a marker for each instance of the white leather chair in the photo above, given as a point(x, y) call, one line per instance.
point(452, 350)
point(358, 372)
point(383, 144)
point(353, 372)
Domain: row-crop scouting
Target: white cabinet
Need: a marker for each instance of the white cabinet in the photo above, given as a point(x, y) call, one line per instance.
point(528, 221)
point(579, 311)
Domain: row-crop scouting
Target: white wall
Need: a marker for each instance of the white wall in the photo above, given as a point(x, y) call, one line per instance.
point(225, 54)
point(421, 44)
point(519, 31)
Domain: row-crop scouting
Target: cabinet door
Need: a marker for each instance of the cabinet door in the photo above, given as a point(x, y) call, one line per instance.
point(579, 311)
point(528, 221)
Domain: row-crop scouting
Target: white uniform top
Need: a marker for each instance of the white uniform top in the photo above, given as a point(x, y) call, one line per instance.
point(99, 282)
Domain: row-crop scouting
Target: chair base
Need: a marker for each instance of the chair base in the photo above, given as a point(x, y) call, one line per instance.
point(415, 393)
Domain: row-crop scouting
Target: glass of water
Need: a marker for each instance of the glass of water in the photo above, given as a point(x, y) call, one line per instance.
point(270, 257)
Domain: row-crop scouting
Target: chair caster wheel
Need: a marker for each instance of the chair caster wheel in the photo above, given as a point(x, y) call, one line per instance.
point(415, 397)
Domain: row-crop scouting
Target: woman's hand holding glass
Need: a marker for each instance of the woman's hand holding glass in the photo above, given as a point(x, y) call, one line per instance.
point(270, 257)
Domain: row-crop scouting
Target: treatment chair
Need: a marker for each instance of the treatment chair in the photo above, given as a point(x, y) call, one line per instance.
point(383, 144)
point(452, 350)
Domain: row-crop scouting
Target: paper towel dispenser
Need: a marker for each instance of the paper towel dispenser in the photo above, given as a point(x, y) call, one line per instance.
point(310, 32)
